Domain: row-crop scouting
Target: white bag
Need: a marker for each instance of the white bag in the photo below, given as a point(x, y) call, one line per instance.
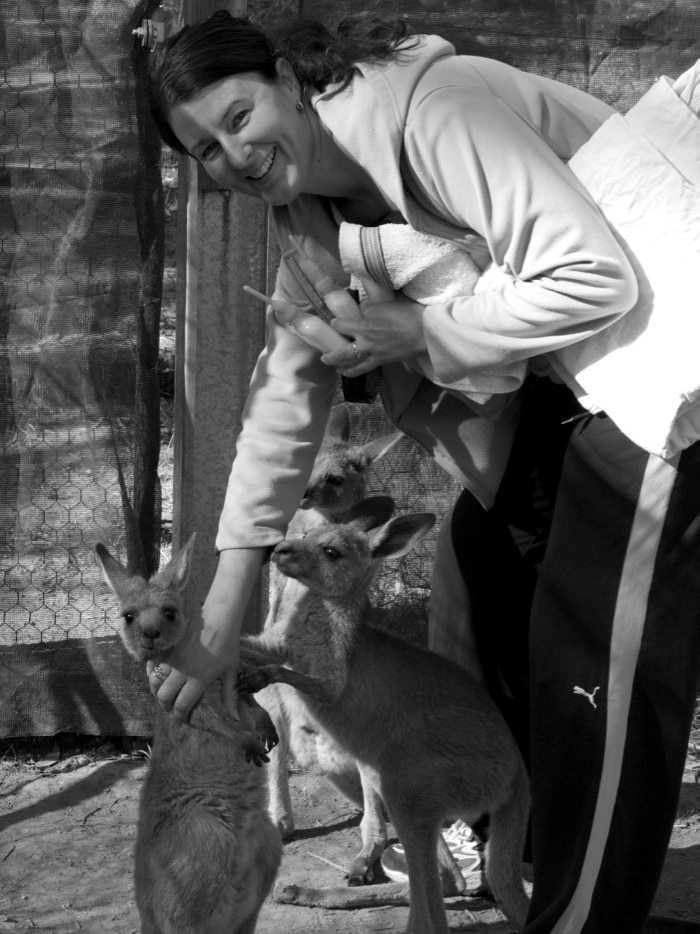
point(643, 170)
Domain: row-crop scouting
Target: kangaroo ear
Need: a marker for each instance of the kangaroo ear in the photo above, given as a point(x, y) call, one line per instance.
point(338, 425)
point(116, 575)
point(177, 571)
point(370, 512)
point(376, 448)
point(398, 536)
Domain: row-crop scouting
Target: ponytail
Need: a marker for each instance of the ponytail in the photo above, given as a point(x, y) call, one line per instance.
point(321, 57)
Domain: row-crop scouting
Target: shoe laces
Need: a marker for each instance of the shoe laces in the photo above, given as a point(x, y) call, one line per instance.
point(459, 834)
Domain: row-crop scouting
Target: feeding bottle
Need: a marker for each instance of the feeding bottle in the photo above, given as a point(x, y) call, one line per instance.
point(336, 299)
point(309, 327)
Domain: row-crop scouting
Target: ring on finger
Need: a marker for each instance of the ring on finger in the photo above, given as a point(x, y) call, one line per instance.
point(359, 354)
point(159, 673)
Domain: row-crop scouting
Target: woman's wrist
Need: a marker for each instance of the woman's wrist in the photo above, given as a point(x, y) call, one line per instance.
point(224, 608)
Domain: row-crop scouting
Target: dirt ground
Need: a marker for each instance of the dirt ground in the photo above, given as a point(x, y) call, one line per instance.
point(67, 828)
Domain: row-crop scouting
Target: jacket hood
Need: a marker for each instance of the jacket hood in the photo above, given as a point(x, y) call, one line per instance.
point(368, 117)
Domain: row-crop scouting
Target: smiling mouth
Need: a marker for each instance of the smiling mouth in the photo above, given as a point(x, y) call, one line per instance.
point(266, 166)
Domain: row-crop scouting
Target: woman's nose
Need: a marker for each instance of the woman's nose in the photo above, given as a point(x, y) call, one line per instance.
point(236, 153)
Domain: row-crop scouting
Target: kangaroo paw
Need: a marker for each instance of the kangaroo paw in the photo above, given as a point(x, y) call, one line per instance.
point(265, 729)
point(254, 749)
point(252, 680)
point(360, 873)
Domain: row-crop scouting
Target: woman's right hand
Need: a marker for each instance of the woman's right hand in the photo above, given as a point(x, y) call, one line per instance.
point(190, 667)
point(389, 331)
point(212, 643)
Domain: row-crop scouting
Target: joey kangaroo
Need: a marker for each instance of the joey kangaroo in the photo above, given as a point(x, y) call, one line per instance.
point(427, 733)
point(338, 481)
point(206, 852)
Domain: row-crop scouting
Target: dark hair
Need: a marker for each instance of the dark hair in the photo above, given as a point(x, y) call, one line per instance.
point(222, 46)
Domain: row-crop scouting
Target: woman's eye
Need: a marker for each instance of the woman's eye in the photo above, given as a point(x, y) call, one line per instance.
point(239, 119)
point(208, 152)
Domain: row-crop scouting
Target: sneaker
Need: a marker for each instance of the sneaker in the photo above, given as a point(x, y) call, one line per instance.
point(465, 847)
point(462, 841)
point(468, 852)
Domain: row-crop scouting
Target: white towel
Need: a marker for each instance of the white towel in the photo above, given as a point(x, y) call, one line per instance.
point(427, 269)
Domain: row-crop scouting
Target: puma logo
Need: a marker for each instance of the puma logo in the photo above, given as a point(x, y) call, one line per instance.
point(591, 696)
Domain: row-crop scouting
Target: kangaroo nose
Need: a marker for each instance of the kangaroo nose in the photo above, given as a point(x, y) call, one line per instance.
point(147, 642)
point(150, 634)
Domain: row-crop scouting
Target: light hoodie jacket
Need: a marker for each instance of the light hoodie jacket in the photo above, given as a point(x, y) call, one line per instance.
point(474, 151)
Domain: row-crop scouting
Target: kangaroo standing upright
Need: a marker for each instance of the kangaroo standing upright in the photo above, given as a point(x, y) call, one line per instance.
point(338, 481)
point(430, 734)
point(206, 852)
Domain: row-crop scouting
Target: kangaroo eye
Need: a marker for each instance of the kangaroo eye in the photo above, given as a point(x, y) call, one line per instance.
point(332, 554)
point(334, 480)
point(128, 618)
point(169, 612)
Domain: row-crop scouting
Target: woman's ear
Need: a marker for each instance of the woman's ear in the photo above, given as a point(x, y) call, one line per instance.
point(286, 76)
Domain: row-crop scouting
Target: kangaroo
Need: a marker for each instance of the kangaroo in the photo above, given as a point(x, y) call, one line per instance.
point(338, 481)
point(428, 733)
point(206, 851)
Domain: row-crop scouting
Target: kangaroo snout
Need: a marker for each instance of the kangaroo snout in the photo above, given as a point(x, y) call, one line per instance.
point(149, 638)
point(283, 557)
point(284, 552)
point(152, 631)
point(279, 552)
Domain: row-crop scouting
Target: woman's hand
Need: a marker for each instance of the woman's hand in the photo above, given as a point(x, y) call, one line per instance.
point(387, 332)
point(212, 643)
point(179, 681)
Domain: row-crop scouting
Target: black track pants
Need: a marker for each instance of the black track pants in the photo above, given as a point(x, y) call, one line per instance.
point(615, 648)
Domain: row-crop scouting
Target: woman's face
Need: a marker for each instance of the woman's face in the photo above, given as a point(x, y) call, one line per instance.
point(249, 136)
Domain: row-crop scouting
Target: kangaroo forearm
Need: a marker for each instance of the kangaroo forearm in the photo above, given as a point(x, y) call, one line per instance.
point(261, 650)
point(322, 691)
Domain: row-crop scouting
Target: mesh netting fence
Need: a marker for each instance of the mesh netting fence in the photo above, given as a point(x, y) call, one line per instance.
point(613, 49)
point(81, 257)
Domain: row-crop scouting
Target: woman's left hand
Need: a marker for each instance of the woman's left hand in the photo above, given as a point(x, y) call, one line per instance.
point(388, 331)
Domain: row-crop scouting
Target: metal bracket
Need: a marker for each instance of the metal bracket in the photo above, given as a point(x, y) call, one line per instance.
point(151, 31)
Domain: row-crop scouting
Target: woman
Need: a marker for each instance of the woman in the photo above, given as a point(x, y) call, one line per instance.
point(373, 124)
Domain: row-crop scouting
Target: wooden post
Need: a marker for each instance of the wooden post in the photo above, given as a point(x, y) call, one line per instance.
point(222, 245)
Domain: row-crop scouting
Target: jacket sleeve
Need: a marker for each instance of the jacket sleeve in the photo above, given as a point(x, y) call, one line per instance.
point(484, 167)
point(283, 422)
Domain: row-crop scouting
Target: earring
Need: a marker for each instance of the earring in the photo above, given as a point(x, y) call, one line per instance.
point(299, 106)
